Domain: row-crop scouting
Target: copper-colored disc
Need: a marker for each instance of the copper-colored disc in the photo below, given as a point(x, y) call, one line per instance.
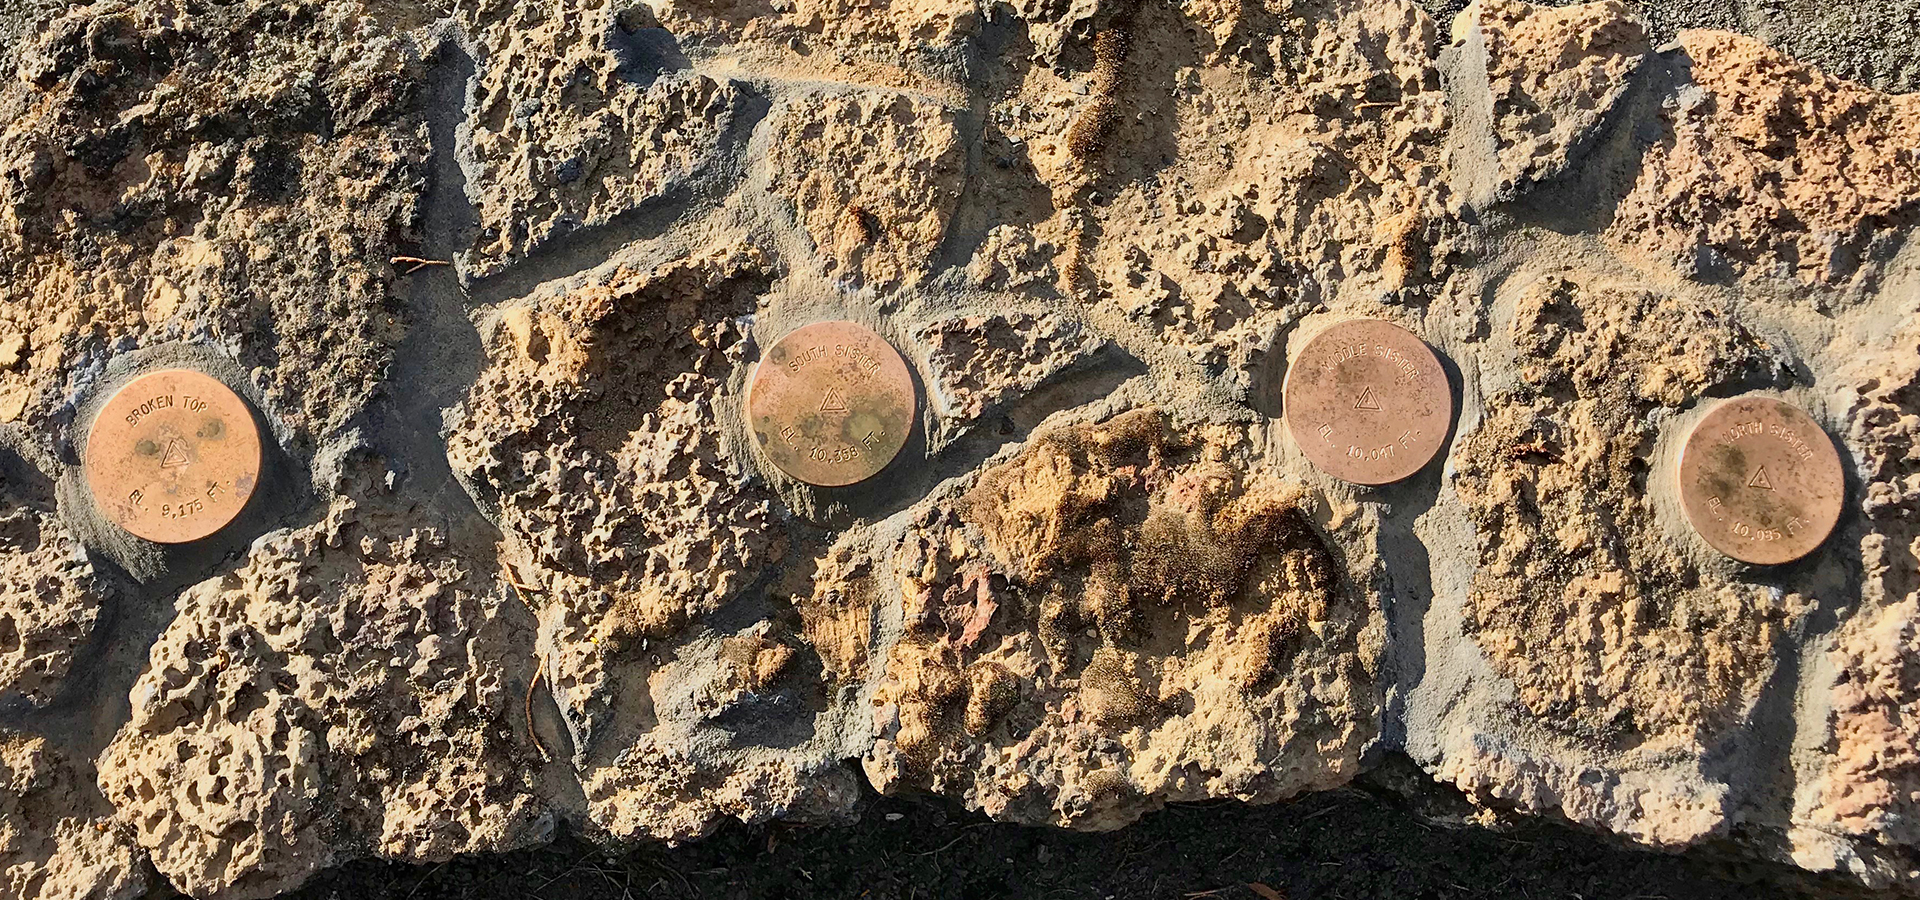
point(1367, 401)
point(831, 403)
point(173, 456)
point(1761, 481)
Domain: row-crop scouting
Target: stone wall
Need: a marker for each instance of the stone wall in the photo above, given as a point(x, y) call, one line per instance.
point(494, 275)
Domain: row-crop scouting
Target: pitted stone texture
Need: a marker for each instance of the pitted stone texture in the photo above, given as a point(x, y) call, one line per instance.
point(1771, 169)
point(1871, 789)
point(1122, 615)
point(572, 123)
point(897, 43)
point(1320, 179)
point(154, 191)
point(1610, 636)
point(1654, 807)
point(1874, 786)
point(872, 177)
point(351, 687)
point(980, 363)
point(50, 595)
point(57, 837)
point(1188, 181)
point(1555, 75)
point(594, 437)
point(734, 737)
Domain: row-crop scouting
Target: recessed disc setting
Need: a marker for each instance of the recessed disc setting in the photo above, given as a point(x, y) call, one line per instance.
point(831, 403)
point(173, 456)
point(1368, 402)
point(1761, 481)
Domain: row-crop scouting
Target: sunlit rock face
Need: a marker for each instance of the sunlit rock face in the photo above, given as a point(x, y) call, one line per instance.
point(495, 276)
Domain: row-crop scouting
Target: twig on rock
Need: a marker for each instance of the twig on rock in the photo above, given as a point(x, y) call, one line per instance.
point(415, 263)
point(532, 686)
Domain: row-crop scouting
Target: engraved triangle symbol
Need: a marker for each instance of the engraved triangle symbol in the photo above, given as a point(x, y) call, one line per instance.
point(833, 402)
point(1367, 400)
point(176, 455)
point(1759, 479)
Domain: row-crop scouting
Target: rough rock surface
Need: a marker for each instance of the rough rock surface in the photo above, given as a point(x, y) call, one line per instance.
point(1772, 169)
point(154, 193)
point(350, 684)
point(1124, 614)
point(1578, 597)
point(50, 594)
point(872, 177)
point(573, 123)
point(1610, 635)
point(58, 840)
point(595, 432)
point(1553, 76)
point(496, 275)
point(982, 363)
point(1871, 788)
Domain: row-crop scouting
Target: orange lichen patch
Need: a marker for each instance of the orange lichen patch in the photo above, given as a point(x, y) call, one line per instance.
point(756, 661)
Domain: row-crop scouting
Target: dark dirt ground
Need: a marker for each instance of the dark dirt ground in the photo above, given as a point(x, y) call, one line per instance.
point(1361, 842)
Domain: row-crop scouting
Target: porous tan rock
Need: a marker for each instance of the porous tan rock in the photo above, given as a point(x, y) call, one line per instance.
point(1553, 77)
point(593, 431)
point(1770, 168)
point(1869, 788)
point(135, 213)
point(980, 363)
point(595, 438)
point(350, 686)
point(58, 840)
point(580, 113)
point(1580, 597)
point(543, 579)
point(864, 41)
point(50, 594)
point(1121, 615)
point(1660, 809)
point(1319, 173)
point(872, 177)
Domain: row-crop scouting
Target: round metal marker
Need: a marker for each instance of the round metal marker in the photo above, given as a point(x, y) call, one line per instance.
point(1367, 401)
point(1761, 481)
point(173, 456)
point(831, 403)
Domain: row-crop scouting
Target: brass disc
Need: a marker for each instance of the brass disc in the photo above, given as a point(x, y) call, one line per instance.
point(173, 456)
point(1761, 481)
point(1367, 401)
point(831, 403)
